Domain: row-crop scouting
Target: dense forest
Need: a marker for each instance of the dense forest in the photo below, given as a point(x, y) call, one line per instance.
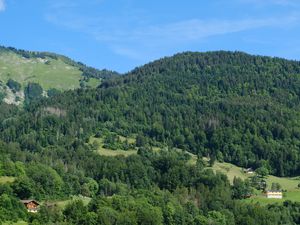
point(229, 106)
point(225, 106)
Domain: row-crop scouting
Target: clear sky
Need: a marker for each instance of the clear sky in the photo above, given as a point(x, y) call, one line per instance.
point(122, 34)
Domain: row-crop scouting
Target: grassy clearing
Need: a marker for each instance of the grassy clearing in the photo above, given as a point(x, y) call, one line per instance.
point(93, 82)
point(289, 184)
point(15, 223)
point(128, 139)
point(6, 179)
point(286, 183)
point(62, 204)
point(108, 152)
point(49, 73)
point(156, 149)
point(230, 170)
point(293, 196)
point(227, 168)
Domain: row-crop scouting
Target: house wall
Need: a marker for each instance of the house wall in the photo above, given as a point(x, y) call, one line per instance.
point(274, 195)
point(31, 205)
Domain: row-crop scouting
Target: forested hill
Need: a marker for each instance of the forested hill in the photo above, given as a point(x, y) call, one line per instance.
point(226, 105)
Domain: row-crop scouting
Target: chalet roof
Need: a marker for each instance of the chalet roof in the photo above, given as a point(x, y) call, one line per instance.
point(274, 192)
point(28, 201)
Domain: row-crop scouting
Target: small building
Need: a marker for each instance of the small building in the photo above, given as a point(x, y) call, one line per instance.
point(31, 205)
point(249, 171)
point(274, 194)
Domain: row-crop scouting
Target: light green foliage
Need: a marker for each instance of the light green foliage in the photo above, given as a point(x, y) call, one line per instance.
point(89, 188)
point(262, 172)
point(11, 208)
point(63, 203)
point(93, 82)
point(5, 179)
point(45, 180)
point(15, 223)
point(286, 183)
point(98, 143)
point(230, 170)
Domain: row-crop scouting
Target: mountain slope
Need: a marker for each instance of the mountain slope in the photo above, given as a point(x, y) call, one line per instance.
point(47, 69)
point(48, 72)
point(227, 105)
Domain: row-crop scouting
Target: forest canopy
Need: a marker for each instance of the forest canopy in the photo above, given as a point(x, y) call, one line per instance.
point(225, 106)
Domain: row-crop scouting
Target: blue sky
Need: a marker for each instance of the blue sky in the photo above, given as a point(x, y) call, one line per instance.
point(122, 34)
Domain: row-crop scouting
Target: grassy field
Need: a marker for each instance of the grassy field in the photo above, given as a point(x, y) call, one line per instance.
point(230, 170)
point(293, 196)
point(62, 204)
point(289, 184)
point(227, 168)
point(108, 152)
point(49, 73)
point(93, 82)
point(6, 179)
point(15, 223)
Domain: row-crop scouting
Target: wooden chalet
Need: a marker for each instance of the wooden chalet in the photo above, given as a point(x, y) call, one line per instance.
point(31, 205)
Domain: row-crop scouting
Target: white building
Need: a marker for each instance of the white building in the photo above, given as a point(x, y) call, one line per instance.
point(249, 171)
point(274, 194)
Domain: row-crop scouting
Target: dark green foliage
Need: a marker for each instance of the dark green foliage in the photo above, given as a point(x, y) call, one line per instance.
point(23, 187)
point(262, 172)
point(2, 95)
point(33, 91)
point(13, 85)
point(241, 189)
point(53, 92)
point(92, 72)
point(276, 187)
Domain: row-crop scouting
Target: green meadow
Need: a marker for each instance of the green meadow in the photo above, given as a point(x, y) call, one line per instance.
point(15, 223)
point(109, 152)
point(6, 179)
point(63, 203)
point(48, 72)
